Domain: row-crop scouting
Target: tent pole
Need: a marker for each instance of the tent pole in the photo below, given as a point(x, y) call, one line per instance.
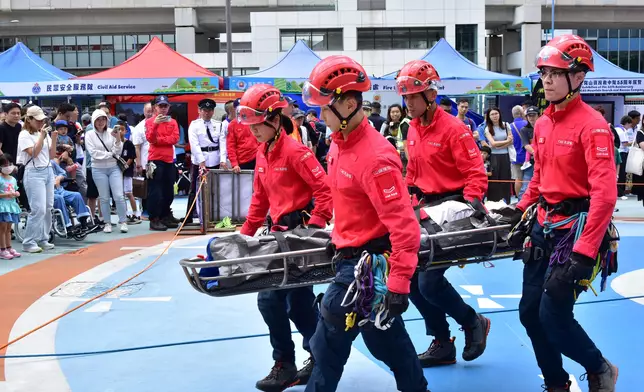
point(229, 40)
point(552, 20)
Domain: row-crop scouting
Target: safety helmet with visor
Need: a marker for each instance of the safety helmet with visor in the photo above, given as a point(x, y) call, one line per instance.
point(330, 79)
point(567, 54)
point(259, 104)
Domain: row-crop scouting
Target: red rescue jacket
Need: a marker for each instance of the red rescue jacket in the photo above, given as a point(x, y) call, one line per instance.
point(371, 200)
point(574, 158)
point(286, 179)
point(241, 145)
point(162, 137)
point(443, 157)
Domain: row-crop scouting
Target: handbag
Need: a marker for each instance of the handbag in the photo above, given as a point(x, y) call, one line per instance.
point(120, 162)
point(635, 159)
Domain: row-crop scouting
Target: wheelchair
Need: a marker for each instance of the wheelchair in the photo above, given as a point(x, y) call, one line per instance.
point(58, 227)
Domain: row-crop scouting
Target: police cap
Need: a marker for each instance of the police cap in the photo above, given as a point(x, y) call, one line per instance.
point(207, 104)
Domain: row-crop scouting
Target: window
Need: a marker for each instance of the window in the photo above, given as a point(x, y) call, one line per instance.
point(466, 42)
point(399, 38)
point(317, 39)
point(372, 5)
point(90, 51)
point(238, 47)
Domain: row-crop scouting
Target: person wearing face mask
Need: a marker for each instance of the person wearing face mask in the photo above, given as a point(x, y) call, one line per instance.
point(35, 147)
point(207, 139)
point(574, 174)
point(287, 178)
point(9, 208)
point(444, 161)
point(372, 214)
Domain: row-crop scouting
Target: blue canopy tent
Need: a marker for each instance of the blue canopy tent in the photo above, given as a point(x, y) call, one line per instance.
point(287, 74)
point(460, 76)
point(21, 71)
point(608, 78)
point(19, 64)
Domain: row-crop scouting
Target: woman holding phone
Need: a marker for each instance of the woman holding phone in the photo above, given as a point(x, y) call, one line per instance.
point(104, 146)
point(35, 149)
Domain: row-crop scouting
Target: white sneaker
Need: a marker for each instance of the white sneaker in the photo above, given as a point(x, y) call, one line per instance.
point(107, 229)
point(124, 227)
point(46, 246)
point(33, 249)
point(624, 197)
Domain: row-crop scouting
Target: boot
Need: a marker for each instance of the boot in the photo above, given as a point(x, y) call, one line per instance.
point(304, 374)
point(157, 225)
point(476, 338)
point(282, 376)
point(438, 354)
point(169, 222)
point(605, 380)
point(565, 388)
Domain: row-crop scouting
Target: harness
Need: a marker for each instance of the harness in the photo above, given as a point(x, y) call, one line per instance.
point(576, 212)
point(292, 219)
point(365, 295)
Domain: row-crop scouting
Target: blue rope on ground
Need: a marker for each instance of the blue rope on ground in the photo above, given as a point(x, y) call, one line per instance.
point(191, 342)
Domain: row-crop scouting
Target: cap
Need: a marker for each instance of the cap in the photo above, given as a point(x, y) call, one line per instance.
point(61, 123)
point(236, 102)
point(207, 104)
point(312, 111)
point(298, 113)
point(103, 105)
point(161, 100)
point(86, 117)
point(36, 112)
point(366, 105)
point(532, 110)
point(289, 100)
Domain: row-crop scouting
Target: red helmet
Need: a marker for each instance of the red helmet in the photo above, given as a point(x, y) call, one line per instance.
point(258, 102)
point(333, 76)
point(415, 77)
point(566, 52)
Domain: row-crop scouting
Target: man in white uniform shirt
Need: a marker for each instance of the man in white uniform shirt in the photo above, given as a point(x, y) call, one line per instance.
point(207, 138)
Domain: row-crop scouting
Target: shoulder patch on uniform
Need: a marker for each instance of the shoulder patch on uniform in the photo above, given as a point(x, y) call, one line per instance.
point(260, 169)
point(388, 189)
point(469, 147)
point(602, 143)
point(312, 164)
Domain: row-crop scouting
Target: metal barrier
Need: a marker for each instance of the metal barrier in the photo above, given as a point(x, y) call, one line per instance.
point(225, 194)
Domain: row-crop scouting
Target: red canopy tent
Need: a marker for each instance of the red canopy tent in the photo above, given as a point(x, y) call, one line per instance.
point(155, 69)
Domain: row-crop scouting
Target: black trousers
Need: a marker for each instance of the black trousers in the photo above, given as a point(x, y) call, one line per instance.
point(621, 189)
point(250, 165)
point(161, 190)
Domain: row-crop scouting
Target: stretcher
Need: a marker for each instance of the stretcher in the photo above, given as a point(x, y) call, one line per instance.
point(311, 264)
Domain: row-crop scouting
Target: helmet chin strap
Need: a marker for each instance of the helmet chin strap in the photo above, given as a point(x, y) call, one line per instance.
point(277, 134)
point(428, 107)
point(571, 91)
point(344, 121)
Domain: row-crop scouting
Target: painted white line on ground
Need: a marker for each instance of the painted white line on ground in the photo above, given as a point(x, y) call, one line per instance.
point(465, 296)
point(147, 299)
point(134, 247)
point(473, 289)
point(19, 372)
point(99, 307)
point(630, 285)
point(189, 247)
point(506, 296)
point(486, 303)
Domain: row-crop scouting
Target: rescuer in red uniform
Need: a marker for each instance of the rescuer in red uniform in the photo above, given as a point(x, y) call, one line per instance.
point(373, 213)
point(290, 182)
point(574, 177)
point(241, 145)
point(444, 161)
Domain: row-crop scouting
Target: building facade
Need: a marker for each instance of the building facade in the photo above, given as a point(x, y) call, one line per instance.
point(84, 36)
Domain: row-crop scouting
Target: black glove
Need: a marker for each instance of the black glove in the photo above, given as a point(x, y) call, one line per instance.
point(396, 304)
point(564, 278)
point(516, 217)
point(413, 190)
point(330, 250)
point(480, 212)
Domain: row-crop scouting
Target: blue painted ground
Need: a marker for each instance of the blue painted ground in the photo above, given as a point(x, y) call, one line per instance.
point(234, 364)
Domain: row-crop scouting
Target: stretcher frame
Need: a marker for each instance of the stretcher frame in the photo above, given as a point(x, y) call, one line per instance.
point(283, 277)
